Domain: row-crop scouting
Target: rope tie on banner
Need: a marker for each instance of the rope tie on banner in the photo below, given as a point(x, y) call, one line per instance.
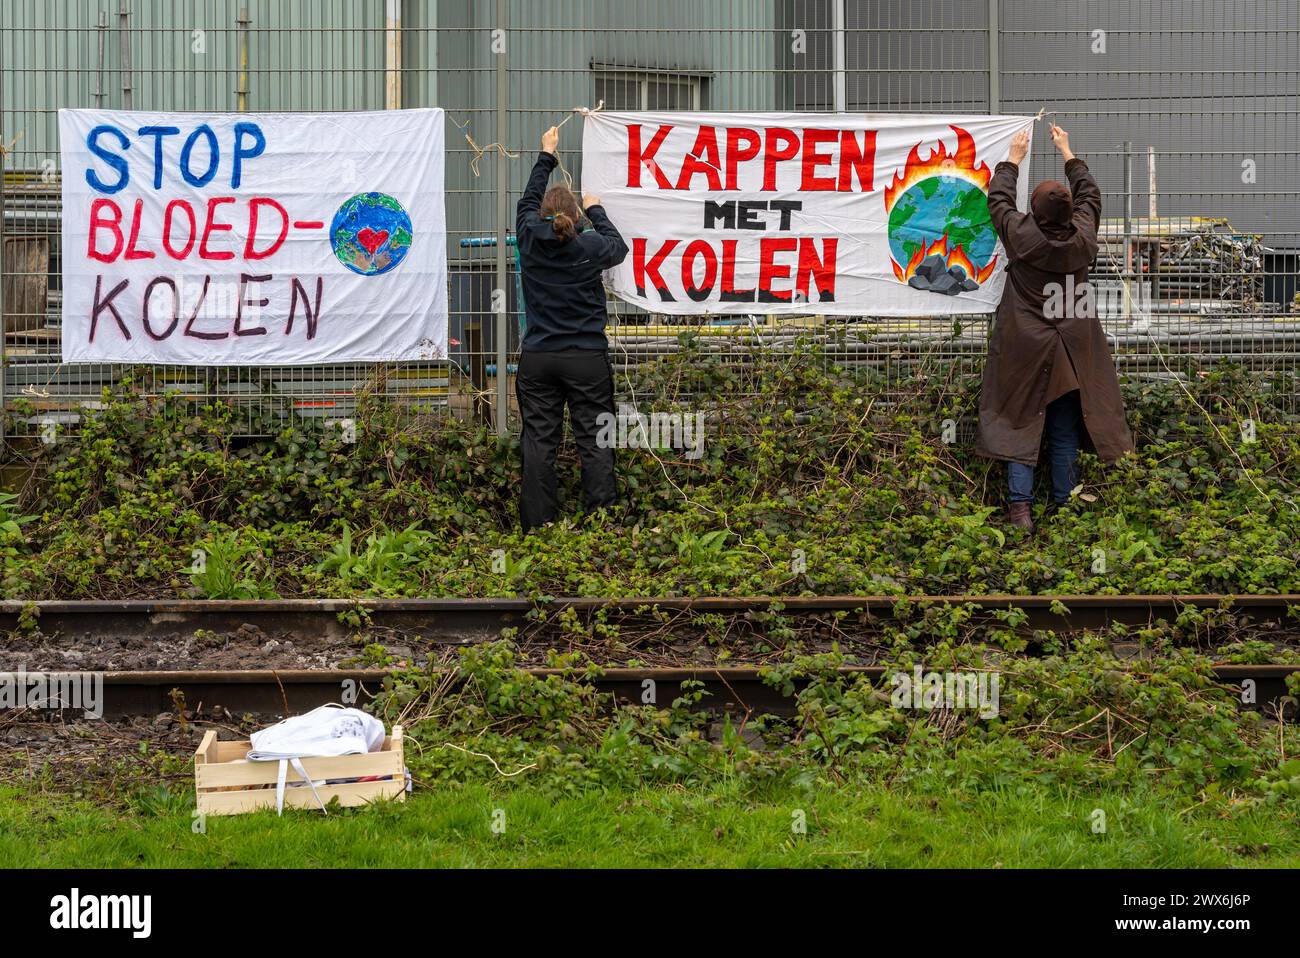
point(585, 112)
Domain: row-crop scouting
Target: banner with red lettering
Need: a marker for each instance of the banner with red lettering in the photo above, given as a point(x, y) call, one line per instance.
point(253, 238)
point(858, 214)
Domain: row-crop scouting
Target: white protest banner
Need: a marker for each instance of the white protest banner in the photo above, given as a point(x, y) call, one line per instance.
point(253, 238)
point(876, 214)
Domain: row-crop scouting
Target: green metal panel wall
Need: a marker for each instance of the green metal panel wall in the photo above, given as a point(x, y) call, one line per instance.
point(927, 55)
point(183, 55)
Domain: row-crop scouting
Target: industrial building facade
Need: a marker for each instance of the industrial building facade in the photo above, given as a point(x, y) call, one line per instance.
point(1188, 113)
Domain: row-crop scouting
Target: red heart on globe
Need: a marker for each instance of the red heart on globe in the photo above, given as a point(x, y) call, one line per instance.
point(371, 240)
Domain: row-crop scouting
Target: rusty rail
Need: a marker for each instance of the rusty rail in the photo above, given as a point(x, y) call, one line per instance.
point(730, 689)
point(469, 620)
point(461, 620)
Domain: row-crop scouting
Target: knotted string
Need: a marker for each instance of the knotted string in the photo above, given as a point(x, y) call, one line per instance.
point(4, 150)
point(480, 151)
point(586, 112)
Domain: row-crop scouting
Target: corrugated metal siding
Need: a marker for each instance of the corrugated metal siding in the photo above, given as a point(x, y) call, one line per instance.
point(1207, 83)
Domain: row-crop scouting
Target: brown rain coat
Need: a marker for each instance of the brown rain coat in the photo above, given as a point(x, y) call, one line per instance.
point(1034, 359)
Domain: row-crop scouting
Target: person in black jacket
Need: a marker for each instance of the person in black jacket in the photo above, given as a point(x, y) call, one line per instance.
point(564, 358)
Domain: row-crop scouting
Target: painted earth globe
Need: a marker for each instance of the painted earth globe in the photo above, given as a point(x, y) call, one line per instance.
point(938, 205)
point(371, 233)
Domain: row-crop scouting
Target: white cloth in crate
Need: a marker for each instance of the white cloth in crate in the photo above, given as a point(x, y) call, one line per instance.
point(327, 731)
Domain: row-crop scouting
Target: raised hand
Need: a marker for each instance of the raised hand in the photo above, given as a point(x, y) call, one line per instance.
point(1019, 146)
point(1061, 140)
point(551, 140)
point(589, 200)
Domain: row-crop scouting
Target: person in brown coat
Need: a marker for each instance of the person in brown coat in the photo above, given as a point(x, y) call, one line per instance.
point(1049, 369)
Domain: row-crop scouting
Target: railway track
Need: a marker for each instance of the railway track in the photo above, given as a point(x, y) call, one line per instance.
point(461, 620)
point(738, 689)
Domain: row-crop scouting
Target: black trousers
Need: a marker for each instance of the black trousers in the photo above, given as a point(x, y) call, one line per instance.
point(583, 380)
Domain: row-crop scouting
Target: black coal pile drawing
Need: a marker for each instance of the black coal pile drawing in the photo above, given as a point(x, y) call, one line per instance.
point(934, 274)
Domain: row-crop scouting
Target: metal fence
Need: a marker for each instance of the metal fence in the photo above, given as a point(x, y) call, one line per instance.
point(1188, 112)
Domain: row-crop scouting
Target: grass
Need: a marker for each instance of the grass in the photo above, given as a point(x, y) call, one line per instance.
point(1033, 827)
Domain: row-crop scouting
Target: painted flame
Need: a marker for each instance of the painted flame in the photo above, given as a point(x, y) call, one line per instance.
point(953, 256)
point(940, 163)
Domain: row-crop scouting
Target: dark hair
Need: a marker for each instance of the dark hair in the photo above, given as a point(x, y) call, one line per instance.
point(561, 206)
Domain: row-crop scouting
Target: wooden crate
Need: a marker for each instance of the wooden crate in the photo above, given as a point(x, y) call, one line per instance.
point(226, 783)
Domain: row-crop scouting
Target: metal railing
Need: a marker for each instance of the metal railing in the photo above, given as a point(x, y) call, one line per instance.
point(1188, 113)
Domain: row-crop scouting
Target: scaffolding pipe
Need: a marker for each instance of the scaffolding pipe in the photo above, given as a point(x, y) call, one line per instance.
point(499, 298)
point(393, 56)
point(837, 27)
point(1128, 230)
point(995, 59)
point(100, 33)
point(242, 90)
point(4, 323)
point(124, 34)
point(1151, 185)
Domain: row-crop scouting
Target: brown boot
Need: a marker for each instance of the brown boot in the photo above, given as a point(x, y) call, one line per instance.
point(1018, 515)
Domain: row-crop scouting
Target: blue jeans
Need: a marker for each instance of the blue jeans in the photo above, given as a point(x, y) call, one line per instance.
point(1064, 419)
